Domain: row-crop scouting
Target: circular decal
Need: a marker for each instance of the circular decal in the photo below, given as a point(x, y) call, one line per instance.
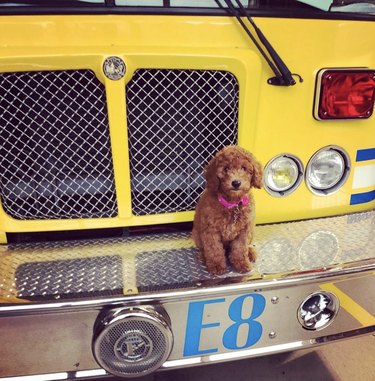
point(133, 346)
point(114, 68)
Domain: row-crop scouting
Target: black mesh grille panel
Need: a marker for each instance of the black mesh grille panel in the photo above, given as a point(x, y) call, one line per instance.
point(55, 158)
point(177, 120)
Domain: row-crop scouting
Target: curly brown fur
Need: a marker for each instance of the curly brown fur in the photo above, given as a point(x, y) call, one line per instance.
point(218, 229)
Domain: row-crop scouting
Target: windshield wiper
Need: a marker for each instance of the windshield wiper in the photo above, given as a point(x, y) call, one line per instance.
point(283, 76)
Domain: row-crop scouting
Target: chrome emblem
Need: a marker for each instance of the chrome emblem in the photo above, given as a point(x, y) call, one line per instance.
point(132, 341)
point(133, 346)
point(114, 68)
point(318, 310)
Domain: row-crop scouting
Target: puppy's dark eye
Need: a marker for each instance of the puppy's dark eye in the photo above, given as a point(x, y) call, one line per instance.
point(244, 168)
point(226, 169)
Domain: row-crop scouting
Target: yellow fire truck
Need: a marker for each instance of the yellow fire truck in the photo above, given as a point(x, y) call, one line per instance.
point(110, 110)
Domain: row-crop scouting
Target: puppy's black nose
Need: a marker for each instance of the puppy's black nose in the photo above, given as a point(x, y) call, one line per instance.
point(236, 184)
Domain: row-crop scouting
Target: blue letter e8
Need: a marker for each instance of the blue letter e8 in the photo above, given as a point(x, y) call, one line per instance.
point(236, 313)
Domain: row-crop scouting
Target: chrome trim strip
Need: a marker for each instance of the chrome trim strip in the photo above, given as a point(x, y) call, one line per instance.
point(39, 377)
point(174, 364)
point(217, 358)
point(201, 291)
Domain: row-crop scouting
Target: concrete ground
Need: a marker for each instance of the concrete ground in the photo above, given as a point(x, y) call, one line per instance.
point(349, 360)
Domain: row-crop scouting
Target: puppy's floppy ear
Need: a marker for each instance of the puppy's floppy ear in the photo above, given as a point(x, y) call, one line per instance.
point(212, 181)
point(257, 177)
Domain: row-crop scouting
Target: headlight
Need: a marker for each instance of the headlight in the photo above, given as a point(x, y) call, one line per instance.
point(327, 170)
point(282, 175)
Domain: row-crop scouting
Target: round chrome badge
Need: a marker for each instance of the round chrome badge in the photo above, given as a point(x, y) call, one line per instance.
point(133, 346)
point(114, 68)
point(132, 342)
point(318, 310)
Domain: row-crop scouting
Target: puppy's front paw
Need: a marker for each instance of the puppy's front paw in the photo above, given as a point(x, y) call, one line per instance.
point(252, 254)
point(241, 262)
point(243, 266)
point(217, 267)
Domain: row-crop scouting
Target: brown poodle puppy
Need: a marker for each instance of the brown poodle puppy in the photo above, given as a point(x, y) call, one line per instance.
point(225, 213)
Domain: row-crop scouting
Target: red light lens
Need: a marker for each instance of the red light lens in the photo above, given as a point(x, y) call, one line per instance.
point(346, 94)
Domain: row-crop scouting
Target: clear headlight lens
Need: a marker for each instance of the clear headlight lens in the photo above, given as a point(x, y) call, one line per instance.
point(327, 170)
point(282, 175)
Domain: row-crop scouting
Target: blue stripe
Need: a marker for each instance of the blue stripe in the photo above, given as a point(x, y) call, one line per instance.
point(365, 154)
point(361, 198)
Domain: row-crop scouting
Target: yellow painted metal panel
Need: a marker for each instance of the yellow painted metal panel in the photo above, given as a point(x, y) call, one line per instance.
point(272, 120)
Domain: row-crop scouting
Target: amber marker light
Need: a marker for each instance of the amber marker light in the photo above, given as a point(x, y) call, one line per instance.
point(344, 94)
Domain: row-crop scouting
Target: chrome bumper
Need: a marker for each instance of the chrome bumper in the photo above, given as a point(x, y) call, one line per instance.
point(52, 294)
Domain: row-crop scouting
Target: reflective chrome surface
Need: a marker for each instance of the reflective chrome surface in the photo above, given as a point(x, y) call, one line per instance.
point(52, 294)
point(132, 342)
point(87, 270)
point(318, 310)
point(114, 68)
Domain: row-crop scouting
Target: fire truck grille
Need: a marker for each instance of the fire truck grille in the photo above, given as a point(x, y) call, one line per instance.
point(55, 157)
point(177, 120)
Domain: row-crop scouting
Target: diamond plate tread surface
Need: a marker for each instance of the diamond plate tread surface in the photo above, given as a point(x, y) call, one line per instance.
point(83, 277)
point(148, 263)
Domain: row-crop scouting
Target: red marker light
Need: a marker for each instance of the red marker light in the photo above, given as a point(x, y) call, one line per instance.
point(345, 94)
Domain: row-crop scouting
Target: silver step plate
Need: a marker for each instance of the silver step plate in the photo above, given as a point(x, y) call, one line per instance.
point(167, 262)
